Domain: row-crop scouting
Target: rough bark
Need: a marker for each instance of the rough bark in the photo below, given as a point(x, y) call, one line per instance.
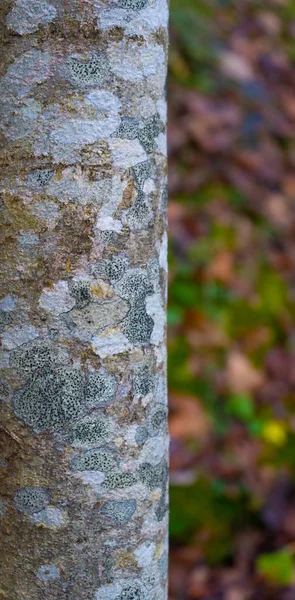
point(84, 433)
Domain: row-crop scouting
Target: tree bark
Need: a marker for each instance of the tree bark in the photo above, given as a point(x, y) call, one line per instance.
point(84, 432)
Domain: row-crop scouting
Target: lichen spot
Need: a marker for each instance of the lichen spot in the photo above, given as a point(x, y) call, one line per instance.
point(91, 431)
point(48, 573)
point(50, 399)
point(95, 460)
point(31, 500)
point(133, 4)
point(119, 512)
point(100, 389)
point(25, 17)
point(95, 69)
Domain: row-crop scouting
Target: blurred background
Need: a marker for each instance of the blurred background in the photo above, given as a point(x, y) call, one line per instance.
point(232, 299)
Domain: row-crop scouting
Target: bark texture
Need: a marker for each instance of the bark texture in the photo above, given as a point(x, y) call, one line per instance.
point(83, 179)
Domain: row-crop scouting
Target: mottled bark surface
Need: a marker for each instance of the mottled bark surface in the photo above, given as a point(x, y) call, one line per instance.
point(83, 182)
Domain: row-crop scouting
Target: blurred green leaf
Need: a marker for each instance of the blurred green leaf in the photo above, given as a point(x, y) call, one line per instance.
point(206, 504)
point(276, 567)
point(241, 406)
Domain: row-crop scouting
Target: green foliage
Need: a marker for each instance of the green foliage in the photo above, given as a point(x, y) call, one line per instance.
point(232, 281)
point(277, 567)
point(206, 504)
point(241, 406)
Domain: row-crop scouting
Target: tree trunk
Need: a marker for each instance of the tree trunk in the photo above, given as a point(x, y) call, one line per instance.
point(84, 432)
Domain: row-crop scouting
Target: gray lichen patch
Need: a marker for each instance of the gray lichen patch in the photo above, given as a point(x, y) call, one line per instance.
point(141, 435)
point(119, 480)
point(92, 431)
point(134, 285)
point(95, 460)
point(132, 592)
point(154, 476)
point(100, 389)
point(141, 172)
point(161, 508)
point(95, 317)
point(31, 499)
point(133, 4)
point(39, 178)
point(157, 420)
point(48, 573)
point(143, 380)
point(50, 399)
point(26, 16)
point(28, 70)
point(112, 268)
point(145, 131)
point(93, 70)
point(119, 512)
point(50, 516)
point(138, 325)
point(5, 319)
point(140, 215)
point(80, 290)
point(38, 355)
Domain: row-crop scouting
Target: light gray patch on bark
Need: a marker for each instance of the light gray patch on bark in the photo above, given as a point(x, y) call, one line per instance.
point(48, 573)
point(40, 177)
point(51, 516)
point(27, 15)
point(21, 123)
point(95, 317)
point(27, 71)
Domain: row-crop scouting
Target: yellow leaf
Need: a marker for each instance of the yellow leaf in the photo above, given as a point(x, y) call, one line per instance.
point(274, 433)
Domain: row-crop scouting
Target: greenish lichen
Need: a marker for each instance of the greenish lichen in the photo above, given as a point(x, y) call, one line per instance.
point(157, 420)
point(80, 290)
point(50, 399)
point(30, 500)
point(95, 460)
point(95, 70)
point(119, 480)
point(38, 355)
point(143, 381)
point(153, 476)
point(134, 285)
point(100, 389)
point(5, 319)
point(133, 4)
point(92, 431)
point(119, 512)
point(132, 592)
point(138, 325)
point(112, 268)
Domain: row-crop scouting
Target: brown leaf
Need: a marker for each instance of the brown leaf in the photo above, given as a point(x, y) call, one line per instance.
point(241, 376)
point(188, 418)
